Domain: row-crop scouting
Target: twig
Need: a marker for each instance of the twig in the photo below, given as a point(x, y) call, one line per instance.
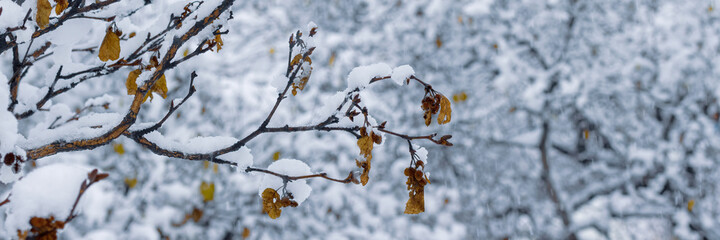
point(287, 178)
point(173, 107)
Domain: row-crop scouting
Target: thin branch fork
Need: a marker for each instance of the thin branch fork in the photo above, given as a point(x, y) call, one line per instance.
point(136, 104)
point(104, 69)
point(287, 178)
point(441, 141)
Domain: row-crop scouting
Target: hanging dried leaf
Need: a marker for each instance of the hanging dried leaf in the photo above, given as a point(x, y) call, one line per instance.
point(207, 190)
point(131, 182)
point(160, 87)
point(130, 82)
point(245, 233)
point(365, 175)
point(195, 215)
point(43, 228)
point(366, 145)
point(42, 16)
point(60, 6)
point(218, 42)
point(296, 59)
point(377, 139)
point(430, 106)
point(118, 148)
point(460, 97)
point(110, 47)
point(690, 205)
point(586, 134)
point(445, 111)
point(416, 184)
point(331, 61)
point(276, 156)
point(272, 203)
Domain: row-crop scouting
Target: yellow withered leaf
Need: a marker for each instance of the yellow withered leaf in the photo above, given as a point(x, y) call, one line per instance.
point(45, 228)
point(331, 61)
point(245, 233)
point(271, 200)
point(216, 168)
point(460, 97)
point(416, 184)
point(690, 205)
point(445, 113)
point(586, 134)
point(110, 47)
point(60, 6)
point(42, 15)
point(206, 164)
point(131, 182)
point(160, 87)
point(207, 190)
point(118, 148)
point(195, 215)
point(219, 42)
point(296, 59)
point(272, 51)
point(130, 82)
point(366, 145)
point(276, 156)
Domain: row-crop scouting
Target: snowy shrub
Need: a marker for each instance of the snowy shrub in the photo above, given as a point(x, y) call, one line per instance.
point(69, 55)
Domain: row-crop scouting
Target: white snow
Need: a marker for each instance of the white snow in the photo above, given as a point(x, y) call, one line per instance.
point(193, 145)
point(93, 125)
point(242, 157)
point(7, 175)
point(47, 191)
point(279, 82)
point(360, 77)
point(291, 167)
point(330, 107)
point(99, 101)
point(402, 73)
point(421, 153)
point(12, 15)
point(8, 131)
point(478, 7)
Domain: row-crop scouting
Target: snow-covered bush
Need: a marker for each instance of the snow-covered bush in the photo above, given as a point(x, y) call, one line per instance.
point(114, 62)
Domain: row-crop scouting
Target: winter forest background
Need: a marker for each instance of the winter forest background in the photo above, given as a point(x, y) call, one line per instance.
point(585, 119)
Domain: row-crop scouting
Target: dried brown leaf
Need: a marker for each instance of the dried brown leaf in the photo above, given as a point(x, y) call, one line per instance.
point(60, 6)
point(207, 190)
point(42, 16)
point(130, 82)
point(110, 47)
point(160, 87)
point(445, 113)
point(219, 42)
point(44, 228)
point(416, 184)
point(245, 233)
point(271, 204)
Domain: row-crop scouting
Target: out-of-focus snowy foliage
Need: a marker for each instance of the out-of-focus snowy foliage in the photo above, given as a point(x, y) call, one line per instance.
point(590, 119)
